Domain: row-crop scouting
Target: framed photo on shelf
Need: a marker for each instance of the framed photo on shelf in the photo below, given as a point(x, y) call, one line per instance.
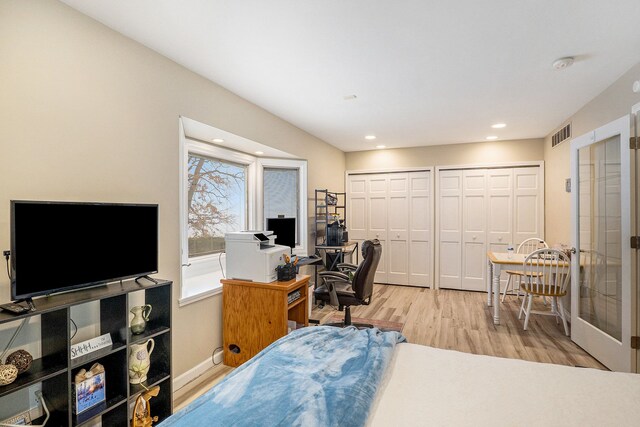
point(89, 388)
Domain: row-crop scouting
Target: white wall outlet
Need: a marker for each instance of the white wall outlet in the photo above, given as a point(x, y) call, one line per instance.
point(34, 401)
point(217, 356)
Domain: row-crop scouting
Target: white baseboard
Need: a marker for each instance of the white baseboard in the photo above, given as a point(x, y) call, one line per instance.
point(192, 374)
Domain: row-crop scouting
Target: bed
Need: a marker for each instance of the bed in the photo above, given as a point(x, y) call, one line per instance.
point(325, 376)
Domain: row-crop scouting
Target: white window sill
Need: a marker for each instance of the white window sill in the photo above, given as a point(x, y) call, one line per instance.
point(199, 287)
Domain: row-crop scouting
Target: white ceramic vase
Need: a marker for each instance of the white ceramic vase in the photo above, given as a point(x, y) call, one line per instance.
point(140, 361)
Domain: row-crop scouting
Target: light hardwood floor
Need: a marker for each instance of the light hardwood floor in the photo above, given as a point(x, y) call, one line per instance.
point(461, 320)
point(455, 320)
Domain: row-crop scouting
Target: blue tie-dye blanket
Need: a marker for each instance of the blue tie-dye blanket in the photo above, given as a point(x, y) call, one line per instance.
point(316, 376)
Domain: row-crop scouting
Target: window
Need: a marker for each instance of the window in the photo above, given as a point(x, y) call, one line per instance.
point(224, 190)
point(216, 201)
point(281, 195)
point(284, 192)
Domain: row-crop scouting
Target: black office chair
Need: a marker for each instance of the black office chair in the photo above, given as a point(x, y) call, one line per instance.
point(341, 289)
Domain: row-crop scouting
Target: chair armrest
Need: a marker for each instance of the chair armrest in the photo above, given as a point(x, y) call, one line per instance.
point(328, 279)
point(334, 275)
point(347, 266)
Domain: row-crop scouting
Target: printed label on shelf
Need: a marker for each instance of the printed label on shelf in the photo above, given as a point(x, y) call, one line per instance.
point(89, 346)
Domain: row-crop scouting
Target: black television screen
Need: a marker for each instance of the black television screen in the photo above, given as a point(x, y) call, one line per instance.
point(284, 229)
point(57, 246)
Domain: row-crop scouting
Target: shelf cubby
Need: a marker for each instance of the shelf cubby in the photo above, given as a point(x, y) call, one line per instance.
point(160, 366)
point(41, 369)
point(98, 354)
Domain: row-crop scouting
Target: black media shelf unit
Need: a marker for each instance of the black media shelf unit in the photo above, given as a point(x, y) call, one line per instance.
point(55, 369)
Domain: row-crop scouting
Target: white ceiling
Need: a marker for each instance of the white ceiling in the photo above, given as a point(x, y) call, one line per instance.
point(424, 72)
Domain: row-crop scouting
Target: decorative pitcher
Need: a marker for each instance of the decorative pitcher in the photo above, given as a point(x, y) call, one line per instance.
point(140, 361)
point(140, 318)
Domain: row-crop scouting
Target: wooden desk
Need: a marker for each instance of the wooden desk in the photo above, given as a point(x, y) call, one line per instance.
point(255, 314)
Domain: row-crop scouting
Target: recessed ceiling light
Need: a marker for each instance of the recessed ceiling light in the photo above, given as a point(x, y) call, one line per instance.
point(498, 125)
point(370, 137)
point(349, 97)
point(381, 146)
point(492, 137)
point(259, 153)
point(218, 140)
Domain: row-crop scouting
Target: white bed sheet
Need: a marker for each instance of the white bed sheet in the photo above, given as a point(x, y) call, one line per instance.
point(425, 386)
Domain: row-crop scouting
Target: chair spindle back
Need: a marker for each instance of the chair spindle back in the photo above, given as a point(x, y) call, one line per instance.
point(530, 245)
point(547, 271)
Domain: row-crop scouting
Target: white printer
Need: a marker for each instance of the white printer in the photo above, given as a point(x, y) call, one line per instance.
point(253, 255)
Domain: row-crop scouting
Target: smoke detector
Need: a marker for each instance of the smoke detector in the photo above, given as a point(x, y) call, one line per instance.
point(562, 63)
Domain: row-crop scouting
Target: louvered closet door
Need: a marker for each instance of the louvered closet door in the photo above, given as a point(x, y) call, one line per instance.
point(420, 257)
point(450, 228)
point(398, 229)
point(474, 232)
point(527, 207)
point(377, 208)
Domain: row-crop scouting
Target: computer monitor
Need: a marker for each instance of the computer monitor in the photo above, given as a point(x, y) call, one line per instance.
point(284, 229)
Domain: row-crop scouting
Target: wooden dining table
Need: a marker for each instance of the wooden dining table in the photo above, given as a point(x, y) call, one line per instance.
point(496, 262)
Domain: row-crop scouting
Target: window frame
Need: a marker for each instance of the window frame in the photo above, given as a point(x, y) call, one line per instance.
point(200, 276)
point(194, 285)
point(301, 248)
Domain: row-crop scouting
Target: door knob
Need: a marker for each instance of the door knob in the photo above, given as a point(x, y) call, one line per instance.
point(499, 239)
point(398, 236)
point(377, 235)
point(474, 237)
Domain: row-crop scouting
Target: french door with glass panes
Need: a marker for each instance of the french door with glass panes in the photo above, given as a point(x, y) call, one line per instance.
point(602, 320)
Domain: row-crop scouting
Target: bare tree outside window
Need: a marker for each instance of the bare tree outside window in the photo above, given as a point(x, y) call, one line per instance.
point(216, 200)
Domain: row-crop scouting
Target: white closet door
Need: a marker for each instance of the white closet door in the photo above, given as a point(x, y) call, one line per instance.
point(527, 204)
point(357, 208)
point(420, 257)
point(377, 197)
point(474, 229)
point(500, 208)
point(398, 229)
point(450, 228)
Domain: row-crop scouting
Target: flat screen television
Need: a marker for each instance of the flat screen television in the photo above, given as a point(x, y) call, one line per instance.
point(284, 229)
point(59, 246)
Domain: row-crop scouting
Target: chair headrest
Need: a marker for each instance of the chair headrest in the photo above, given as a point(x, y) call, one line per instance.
point(368, 245)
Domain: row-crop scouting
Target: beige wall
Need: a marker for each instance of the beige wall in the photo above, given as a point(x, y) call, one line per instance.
point(612, 103)
point(441, 155)
point(87, 114)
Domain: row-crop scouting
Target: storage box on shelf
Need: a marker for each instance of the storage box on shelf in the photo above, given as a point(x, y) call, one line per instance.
point(54, 370)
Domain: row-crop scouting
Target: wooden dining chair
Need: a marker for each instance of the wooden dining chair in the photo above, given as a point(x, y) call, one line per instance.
point(525, 247)
point(547, 274)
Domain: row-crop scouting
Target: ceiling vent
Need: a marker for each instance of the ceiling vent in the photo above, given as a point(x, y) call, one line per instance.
point(562, 135)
